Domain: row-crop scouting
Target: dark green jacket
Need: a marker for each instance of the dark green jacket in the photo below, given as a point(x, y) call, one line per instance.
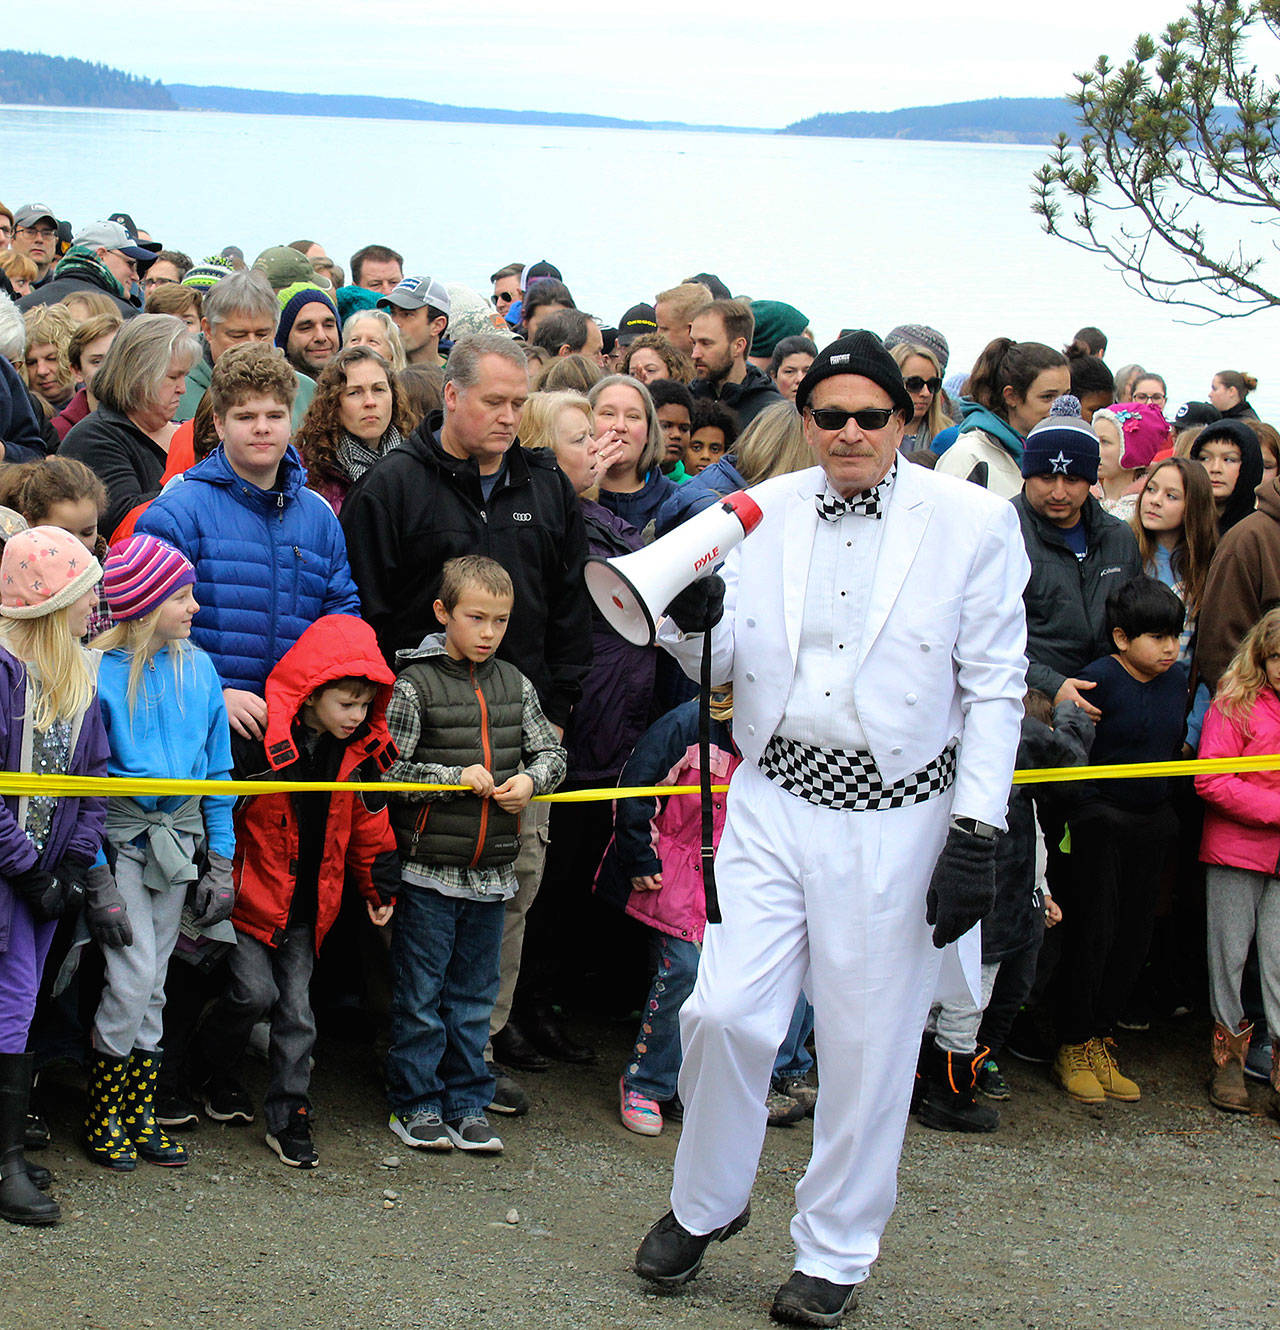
point(468, 714)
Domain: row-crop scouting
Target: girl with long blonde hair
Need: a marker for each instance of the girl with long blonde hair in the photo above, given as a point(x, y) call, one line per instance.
point(164, 716)
point(1241, 847)
point(51, 855)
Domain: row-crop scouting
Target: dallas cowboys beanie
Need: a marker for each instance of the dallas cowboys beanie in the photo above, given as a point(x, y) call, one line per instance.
point(1062, 444)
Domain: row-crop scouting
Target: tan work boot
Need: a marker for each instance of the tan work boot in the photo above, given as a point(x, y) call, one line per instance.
point(1103, 1062)
point(1226, 1084)
point(1074, 1072)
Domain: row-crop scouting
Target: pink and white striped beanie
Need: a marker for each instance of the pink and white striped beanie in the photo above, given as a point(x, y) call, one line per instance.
point(141, 573)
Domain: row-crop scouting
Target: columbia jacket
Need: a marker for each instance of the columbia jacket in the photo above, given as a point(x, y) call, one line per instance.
point(357, 834)
point(268, 563)
point(1066, 597)
point(420, 506)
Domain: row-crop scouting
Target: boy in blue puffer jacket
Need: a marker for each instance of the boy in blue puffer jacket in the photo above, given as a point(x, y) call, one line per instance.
point(269, 555)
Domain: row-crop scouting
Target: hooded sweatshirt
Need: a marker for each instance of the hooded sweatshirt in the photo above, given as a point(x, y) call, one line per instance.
point(1243, 582)
point(349, 833)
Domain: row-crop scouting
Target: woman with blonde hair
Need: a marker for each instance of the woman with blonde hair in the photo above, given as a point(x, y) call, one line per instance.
point(139, 387)
point(772, 445)
point(923, 377)
point(375, 328)
point(45, 368)
point(632, 485)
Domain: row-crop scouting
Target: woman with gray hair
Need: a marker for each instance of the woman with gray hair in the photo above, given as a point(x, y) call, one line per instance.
point(633, 487)
point(138, 387)
point(375, 328)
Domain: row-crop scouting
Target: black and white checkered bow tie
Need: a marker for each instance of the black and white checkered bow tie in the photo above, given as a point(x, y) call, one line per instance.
point(831, 508)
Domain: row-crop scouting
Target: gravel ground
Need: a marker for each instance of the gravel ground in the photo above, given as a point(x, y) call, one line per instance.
point(1162, 1214)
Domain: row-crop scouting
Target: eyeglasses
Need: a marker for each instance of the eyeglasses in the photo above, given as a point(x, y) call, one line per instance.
point(45, 232)
point(1156, 399)
point(915, 383)
point(870, 417)
point(502, 298)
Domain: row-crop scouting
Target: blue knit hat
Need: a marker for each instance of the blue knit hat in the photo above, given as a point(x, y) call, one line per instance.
point(1062, 444)
point(292, 299)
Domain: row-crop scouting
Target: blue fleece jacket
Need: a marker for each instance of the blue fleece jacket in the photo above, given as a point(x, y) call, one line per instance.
point(717, 480)
point(177, 729)
point(268, 563)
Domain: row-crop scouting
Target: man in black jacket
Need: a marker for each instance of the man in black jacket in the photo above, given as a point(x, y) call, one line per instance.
point(721, 333)
point(103, 257)
point(462, 484)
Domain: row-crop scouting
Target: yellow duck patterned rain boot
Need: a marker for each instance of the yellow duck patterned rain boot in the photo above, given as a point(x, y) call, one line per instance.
point(105, 1138)
point(148, 1137)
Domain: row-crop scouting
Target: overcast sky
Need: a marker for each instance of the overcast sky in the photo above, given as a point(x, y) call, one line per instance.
point(749, 63)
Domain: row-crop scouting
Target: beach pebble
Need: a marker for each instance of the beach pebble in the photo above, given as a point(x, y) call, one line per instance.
point(391, 1161)
point(513, 1216)
point(388, 1205)
point(390, 1195)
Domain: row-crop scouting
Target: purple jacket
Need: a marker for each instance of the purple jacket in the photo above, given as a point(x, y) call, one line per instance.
point(617, 694)
point(77, 823)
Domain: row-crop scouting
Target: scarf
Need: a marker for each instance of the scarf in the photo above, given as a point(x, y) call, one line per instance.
point(355, 457)
point(80, 261)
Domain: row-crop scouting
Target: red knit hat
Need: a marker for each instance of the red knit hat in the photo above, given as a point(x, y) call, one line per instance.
point(44, 569)
point(141, 574)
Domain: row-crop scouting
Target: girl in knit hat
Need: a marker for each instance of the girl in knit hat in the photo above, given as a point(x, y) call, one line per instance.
point(51, 855)
point(164, 716)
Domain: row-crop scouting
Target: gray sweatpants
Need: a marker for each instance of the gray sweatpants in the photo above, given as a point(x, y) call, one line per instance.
point(130, 1012)
point(1242, 904)
point(956, 1027)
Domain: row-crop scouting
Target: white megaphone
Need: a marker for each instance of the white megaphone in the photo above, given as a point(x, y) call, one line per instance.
point(632, 590)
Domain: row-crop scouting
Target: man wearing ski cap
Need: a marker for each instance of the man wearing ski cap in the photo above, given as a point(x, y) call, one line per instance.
point(103, 257)
point(873, 631)
point(420, 307)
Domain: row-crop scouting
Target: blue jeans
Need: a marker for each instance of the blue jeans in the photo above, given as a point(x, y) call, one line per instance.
point(794, 1060)
point(444, 975)
point(655, 1060)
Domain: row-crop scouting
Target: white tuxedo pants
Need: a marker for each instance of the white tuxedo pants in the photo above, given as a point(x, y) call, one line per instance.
point(833, 902)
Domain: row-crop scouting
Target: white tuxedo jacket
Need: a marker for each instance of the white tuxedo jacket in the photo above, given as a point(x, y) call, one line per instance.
point(942, 652)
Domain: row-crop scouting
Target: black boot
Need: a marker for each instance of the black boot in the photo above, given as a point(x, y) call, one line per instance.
point(670, 1255)
point(948, 1102)
point(541, 1026)
point(922, 1067)
point(20, 1200)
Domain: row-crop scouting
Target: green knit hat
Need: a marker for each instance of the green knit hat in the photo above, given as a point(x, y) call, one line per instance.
point(774, 321)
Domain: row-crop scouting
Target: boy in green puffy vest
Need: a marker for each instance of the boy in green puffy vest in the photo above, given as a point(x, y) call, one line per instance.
point(459, 716)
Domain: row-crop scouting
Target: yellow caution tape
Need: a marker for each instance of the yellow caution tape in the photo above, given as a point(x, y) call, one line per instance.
point(21, 782)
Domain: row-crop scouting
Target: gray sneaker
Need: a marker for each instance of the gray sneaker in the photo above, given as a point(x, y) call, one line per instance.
point(1257, 1063)
point(424, 1130)
point(474, 1133)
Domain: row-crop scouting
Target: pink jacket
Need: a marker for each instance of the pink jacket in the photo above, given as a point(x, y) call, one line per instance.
point(652, 835)
point(1242, 811)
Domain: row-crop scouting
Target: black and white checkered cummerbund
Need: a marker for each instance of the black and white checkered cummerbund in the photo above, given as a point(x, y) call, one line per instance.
point(849, 779)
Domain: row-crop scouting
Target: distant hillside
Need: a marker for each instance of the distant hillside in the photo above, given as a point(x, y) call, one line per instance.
point(254, 101)
point(995, 120)
point(51, 80)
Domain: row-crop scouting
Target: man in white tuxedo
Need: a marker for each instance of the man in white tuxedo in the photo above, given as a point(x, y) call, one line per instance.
point(872, 627)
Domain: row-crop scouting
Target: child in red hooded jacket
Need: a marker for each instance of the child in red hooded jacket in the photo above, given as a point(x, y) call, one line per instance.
point(326, 704)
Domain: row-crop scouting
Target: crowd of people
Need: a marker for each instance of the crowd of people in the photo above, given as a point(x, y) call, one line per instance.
point(318, 523)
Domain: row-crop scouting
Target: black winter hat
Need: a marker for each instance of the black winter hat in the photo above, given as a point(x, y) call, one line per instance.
point(860, 352)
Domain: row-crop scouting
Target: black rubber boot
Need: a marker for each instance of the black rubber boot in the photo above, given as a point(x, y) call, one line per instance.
point(922, 1067)
point(148, 1137)
point(21, 1202)
point(105, 1139)
point(948, 1102)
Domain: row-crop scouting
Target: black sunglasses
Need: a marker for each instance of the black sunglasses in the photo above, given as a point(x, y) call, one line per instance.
point(915, 383)
point(870, 417)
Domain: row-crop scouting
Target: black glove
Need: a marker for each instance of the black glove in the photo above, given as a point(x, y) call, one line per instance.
point(214, 896)
point(106, 913)
point(962, 889)
point(46, 895)
point(700, 605)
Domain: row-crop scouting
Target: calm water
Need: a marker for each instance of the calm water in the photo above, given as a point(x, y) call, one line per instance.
point(855, 232)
